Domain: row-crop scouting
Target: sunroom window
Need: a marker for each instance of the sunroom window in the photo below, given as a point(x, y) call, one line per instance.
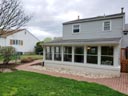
point(92, 56)
point(79, 54)
point(48, 54)
point(57, 53)
point(67, 53)
point(107, 55)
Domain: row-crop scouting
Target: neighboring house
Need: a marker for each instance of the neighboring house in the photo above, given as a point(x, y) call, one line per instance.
point(21, 39)
point(90, 45)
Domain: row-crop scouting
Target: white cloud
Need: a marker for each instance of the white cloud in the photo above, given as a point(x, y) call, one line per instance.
point(69, 15)
point(48, 15)
point(40, 33)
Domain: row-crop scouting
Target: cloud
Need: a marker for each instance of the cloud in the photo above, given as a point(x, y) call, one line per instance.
point(69, 15)
point(48, 15)
point(41, 34)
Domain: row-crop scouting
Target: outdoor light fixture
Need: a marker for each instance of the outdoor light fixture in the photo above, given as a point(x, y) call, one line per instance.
point(88, 47)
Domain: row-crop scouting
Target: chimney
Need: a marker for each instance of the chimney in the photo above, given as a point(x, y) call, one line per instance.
point(78, 17)
point(104, 15)
point(122, 10)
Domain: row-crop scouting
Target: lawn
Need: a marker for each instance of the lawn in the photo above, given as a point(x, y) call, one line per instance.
point(32, 56)
point(21, 83)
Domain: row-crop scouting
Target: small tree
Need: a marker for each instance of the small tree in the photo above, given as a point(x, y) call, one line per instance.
point(7, 52)
point(48, 39)
point(39, 48)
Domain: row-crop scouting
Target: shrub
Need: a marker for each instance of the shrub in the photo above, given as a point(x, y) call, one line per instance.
point(7, 53)
point(27, 60)
point(39, 48)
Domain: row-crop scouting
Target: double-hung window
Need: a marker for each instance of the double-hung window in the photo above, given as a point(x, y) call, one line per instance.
point(76, 28)
point(16, 42)
point(106, 26)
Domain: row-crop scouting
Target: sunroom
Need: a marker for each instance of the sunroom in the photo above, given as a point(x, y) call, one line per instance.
point(99, 56)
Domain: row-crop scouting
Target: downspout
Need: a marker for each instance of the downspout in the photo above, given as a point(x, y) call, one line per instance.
point(123, 27)
point(120, 57)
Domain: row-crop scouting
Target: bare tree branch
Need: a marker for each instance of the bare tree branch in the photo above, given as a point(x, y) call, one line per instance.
point(12, 15)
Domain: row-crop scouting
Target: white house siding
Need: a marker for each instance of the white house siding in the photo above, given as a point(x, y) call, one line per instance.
point(94, 29)
point(29, 41)
point(109, 70)
point(2, 41)
point(124, 43)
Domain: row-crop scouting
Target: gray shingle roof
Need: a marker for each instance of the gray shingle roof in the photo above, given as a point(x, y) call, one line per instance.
point(113, 16)
point(84, 41)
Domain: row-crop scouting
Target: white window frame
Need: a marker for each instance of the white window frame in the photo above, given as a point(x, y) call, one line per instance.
point(59, 53)
point(67, 53)
point(73, 29)
point(107, 56)
point(92, 54)
point(79, 54)
point(110, 25)
point(49, 52)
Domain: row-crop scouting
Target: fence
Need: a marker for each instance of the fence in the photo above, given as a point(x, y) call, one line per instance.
point(124, 60)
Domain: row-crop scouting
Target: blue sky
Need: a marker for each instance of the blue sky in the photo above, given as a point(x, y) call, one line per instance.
point(48, 15)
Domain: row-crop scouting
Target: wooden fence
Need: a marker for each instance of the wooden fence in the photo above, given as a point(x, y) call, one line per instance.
point(124, 60)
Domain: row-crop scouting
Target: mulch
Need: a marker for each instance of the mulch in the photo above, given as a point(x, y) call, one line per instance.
point(10, 66)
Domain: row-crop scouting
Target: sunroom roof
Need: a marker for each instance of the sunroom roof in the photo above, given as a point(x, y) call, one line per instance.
point(84, 41)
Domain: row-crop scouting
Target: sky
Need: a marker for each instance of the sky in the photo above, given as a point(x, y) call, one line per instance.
point(48, 15)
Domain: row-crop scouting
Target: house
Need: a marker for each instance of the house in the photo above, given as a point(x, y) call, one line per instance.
point(90, 45)
point(22, 40)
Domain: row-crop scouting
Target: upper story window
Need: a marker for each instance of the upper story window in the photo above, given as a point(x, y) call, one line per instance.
point(106, 26)
point(76, 28)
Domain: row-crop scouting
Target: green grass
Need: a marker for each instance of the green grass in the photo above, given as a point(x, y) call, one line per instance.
point(21, 83)
point(32, 56)
point(1, 58)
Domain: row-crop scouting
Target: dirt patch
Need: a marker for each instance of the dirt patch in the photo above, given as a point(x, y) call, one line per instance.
point(8, 67)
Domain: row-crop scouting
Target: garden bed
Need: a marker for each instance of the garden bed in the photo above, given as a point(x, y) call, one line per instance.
point(39, 66)
point(7, 67)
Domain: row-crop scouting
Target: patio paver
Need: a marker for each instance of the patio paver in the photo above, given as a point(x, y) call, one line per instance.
point(119, 83)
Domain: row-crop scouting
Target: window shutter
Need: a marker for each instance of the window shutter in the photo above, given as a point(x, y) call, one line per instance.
point(21, 42)
point(11, 42)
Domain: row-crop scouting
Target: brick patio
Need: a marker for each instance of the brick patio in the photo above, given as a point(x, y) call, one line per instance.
point(120, 84)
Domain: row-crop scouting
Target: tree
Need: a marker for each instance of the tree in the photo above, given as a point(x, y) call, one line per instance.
point(48, 39)
point(7, 52)
point(12, 15)
point(39, 48)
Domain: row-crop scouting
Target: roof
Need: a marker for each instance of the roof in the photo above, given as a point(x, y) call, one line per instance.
point(85, 41)
point(113, 16)
point(7, 33)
